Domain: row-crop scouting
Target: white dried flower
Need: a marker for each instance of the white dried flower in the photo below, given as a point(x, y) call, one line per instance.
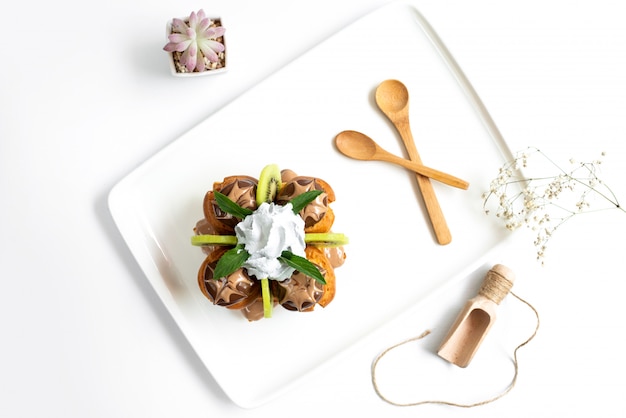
point(544, 202)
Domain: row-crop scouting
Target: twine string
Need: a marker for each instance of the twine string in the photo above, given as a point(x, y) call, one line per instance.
point(495, 286)
point(449, 403)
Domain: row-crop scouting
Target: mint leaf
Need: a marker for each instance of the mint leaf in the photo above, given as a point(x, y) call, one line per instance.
point(230, 207)
point(302, 265)
point(300, 201)
point(230, 261)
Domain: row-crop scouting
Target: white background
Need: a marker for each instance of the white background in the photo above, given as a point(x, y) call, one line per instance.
point(86, 96)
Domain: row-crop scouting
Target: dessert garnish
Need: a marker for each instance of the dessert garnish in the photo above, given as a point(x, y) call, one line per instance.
point(268, 242)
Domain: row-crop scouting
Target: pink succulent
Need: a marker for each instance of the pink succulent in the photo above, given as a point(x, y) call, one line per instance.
point(196, 39)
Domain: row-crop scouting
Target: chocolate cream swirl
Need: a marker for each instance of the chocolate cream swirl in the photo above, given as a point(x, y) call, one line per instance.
point(314, 211)
point(237, 290)
point(239, 189)
point(299, 292)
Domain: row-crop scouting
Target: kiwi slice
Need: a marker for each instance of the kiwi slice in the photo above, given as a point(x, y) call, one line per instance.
point(267, 298)
point(209, 239)
point(269, 184)
point(326, 239)
point(266, 190)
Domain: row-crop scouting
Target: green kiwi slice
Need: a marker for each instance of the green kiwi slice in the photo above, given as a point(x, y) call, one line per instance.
point(326, 239)
point(209, 239)
point(266, 190)
point(269, 184)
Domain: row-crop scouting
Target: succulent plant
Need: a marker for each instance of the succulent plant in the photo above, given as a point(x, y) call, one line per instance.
point(196, 39)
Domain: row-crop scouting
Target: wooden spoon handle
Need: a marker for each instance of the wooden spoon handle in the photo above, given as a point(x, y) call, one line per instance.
point(438, 221)
point(431, 173)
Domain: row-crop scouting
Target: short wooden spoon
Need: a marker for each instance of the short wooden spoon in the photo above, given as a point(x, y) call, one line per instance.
point(359, 146)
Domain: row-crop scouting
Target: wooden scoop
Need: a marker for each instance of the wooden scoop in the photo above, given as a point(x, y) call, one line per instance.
point(476, 318)
point(359, 146)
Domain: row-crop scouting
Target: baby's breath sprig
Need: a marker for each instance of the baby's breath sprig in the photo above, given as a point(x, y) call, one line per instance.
point(544, 202)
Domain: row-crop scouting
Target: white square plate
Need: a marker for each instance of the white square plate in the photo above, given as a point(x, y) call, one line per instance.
point(291, 119)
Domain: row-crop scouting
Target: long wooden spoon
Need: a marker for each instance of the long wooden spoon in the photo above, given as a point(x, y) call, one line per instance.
point(361, 147)
point(392, 97)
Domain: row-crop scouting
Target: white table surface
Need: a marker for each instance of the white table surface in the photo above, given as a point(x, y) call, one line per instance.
point(86, 96)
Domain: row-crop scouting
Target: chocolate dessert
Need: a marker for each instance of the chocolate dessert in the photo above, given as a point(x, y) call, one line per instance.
point(268, 242)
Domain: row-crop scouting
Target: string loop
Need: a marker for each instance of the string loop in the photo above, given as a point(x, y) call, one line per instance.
point(443, 402)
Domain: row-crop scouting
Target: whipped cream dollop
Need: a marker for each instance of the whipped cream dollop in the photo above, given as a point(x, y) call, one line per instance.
point(265, 234)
